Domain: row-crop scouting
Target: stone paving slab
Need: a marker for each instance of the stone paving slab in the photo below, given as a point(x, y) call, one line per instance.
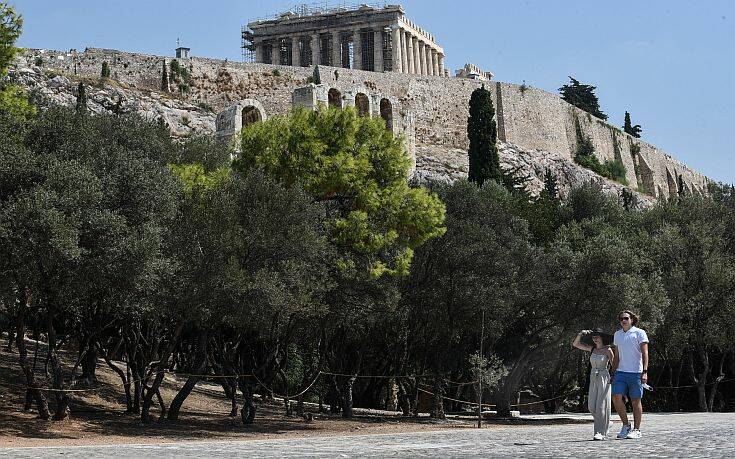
point(664, 435)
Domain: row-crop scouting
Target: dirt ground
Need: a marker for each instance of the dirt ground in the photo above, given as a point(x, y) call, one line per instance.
point(98, 417)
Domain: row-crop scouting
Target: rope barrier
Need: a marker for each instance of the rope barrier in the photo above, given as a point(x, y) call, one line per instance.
point(327, 373)
point(515, 405)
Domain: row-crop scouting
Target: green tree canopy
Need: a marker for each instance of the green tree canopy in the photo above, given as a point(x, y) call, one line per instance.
point(582, 96)
point(628, 127)
point(359, 169)
point(10, 27)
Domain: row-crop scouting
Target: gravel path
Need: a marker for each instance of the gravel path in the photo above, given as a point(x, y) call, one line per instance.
point(664, 435)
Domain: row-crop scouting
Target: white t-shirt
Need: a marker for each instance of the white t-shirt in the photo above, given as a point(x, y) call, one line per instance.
point(628, 346)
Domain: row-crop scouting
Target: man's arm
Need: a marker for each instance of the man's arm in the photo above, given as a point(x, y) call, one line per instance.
point(616, 359)
point(644, 352)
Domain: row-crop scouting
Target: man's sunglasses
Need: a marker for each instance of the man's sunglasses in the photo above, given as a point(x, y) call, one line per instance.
point(624, 319)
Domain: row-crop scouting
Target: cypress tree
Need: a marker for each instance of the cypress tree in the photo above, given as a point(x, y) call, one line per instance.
point(81, 98)
point(105, 70)
point(628, 127)
point(483, 135)
point(164, 78)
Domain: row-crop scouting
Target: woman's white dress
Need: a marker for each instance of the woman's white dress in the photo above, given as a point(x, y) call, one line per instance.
point(599, 394)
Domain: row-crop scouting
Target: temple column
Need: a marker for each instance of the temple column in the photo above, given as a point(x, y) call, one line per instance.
point(336, 49)
point(396, 51)
point(378, 50)
point(295, 51)
point(429, 61)
point(411, 58)
point(404, 52)
point(357, 49)
point(418, 54)
point(435, 62)
point(429, 66)
point(259, 53)
point(316, 57)
point(441, 65)
point(276, 52)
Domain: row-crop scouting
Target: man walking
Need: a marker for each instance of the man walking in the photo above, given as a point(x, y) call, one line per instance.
point(630, 365)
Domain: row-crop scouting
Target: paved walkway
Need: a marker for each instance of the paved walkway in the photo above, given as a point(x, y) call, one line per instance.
point(665, 435)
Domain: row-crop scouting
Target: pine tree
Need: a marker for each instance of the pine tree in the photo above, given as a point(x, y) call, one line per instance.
point(582, 96)
point(628, 127)
point(81, 98)
point(105, 70)
point(483, 134)
point(551, 187)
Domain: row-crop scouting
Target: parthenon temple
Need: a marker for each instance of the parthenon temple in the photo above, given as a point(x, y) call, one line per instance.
point(379, 39)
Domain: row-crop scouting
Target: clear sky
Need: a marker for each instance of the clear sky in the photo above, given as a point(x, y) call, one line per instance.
point(671, 63)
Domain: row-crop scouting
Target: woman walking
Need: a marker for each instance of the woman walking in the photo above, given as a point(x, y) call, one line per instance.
point(601, 355)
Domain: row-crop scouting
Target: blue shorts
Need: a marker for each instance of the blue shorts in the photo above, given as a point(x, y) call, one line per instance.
point(627, 384)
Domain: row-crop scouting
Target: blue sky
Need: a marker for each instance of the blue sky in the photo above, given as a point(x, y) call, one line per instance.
point(671, 63)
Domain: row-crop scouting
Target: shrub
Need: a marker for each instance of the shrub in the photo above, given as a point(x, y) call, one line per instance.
point(38, 61)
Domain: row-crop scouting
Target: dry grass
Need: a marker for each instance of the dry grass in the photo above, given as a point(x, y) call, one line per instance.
point(98, 417)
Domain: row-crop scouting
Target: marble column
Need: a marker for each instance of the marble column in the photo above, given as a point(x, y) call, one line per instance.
point(404, 52)
point(336, 49)
point(429, 62)
point(378, 50)
point(441, 64)
point(357, 49)
point(259, 53)
point(295, 51)
point(316, 58)
point(396, 51)
point(276, 53)
point(435, 62)
point(411, 57)
point(420, 53)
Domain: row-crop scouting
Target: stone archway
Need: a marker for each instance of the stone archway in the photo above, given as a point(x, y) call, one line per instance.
point(386, 112)
point(334, 98)
point(237, 116)
point(362, 104)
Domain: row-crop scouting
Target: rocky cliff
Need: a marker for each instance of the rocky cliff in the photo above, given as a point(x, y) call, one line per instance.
point(185, 117)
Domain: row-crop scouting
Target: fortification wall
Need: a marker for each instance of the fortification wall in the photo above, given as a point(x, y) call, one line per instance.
point(434, 108)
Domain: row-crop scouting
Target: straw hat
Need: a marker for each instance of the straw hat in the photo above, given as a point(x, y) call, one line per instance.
point(607, 339)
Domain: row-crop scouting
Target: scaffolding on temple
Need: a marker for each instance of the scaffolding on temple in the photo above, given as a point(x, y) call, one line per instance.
point(247, 45)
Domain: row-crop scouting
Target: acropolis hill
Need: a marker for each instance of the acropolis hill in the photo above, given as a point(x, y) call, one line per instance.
point(405, 82)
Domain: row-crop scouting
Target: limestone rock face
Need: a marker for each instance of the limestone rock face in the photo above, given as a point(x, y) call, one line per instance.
point(434, 160)
point(435, 163)
point(109, 96)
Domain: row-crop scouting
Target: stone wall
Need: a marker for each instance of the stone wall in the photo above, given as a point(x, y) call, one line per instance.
point(432, 110)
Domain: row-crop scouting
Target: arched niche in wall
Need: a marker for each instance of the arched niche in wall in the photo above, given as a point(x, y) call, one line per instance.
point(362, 104)
point(334, 98)
point(386, 112)
point(250, 115)
point(249, 111)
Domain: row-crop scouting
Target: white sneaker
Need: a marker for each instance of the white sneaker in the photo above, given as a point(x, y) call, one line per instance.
point(598, 436)
point(634, 434)
point(624, 432)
